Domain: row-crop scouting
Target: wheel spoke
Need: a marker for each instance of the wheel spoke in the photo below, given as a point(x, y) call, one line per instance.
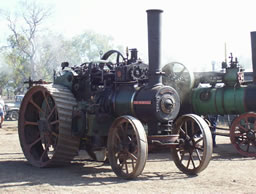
point(132, 156)
point(192, 160)
point(188, 162)
point(34, 142)
point(44, 154)
point(186, 129)
point(30, 123)
point(133, 165)
point(186, 136)
point(36, 106)
point(248, 146)
point(238, 134)
point(241, 127)
point(52, 111)
point(198, 154)
point(53, 133)
point(200, 148)
point(123, 158)
point(182, 156)
point(246, 122)
point(55, 122)
point(126, 126)
point(197, 141)
point(117, 137)
point(193, 128)
point(179, 149)
point(126, 167)
point(46, 101)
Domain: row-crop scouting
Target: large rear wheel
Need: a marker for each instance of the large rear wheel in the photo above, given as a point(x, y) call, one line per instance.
point(45, 126)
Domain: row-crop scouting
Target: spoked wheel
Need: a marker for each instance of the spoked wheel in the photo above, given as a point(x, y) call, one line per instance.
point(194, 151)
point(243, 134)
point(45, 126)
point(127, 147)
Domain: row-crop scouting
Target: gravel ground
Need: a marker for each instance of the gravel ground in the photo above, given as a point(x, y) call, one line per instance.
point(228, 172)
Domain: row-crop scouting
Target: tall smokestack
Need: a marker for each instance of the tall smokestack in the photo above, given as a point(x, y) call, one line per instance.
point(253, 44)
point(154, 46)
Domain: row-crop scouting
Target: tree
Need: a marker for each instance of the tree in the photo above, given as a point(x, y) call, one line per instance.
point(23, 38)
point(89, 45)
point(31, 52)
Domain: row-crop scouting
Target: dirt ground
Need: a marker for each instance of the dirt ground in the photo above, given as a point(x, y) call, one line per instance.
point(228, 172)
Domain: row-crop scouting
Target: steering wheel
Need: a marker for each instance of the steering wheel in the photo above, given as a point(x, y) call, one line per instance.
point(179, 77)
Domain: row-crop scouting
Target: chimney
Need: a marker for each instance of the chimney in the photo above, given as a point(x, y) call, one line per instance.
point(253, 44)
point(154, 46)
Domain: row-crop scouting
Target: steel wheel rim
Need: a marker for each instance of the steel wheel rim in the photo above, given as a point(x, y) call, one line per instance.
point(195, 149)
point(127, 147)
point(45, 126)
point(39, 144)
point(243, 134)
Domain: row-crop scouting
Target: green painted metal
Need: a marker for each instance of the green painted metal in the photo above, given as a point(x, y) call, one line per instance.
point(225, 100)
point(66, 79)
point(230, 78)
point(98, 126)
point(123, 102)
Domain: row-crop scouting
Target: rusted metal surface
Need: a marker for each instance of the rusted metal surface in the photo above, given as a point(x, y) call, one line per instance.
point(163, 140)
point(194, 151)
point(243, 134)
point(45, 126)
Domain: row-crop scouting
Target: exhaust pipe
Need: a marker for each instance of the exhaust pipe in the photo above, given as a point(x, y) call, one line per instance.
point(154, 46)
point(253, 45)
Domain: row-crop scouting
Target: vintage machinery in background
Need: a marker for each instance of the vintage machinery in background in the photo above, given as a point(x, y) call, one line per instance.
point(229, 92)
point(112, 109)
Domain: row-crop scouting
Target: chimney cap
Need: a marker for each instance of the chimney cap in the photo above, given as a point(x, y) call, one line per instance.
point(155, 10)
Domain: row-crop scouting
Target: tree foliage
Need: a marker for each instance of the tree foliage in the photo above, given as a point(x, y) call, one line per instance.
point(33, 52)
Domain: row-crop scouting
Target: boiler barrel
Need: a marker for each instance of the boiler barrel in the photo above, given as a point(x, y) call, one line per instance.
point(226, 100)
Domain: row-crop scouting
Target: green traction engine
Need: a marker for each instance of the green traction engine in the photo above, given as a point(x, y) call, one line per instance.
point(228, 92)
point(115, 109)
point(236, 97)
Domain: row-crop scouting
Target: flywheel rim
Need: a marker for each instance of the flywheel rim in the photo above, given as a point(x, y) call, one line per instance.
point(45, 126)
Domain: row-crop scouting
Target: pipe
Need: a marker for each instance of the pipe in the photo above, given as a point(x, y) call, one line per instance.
point(154, 46)
point(253, 45)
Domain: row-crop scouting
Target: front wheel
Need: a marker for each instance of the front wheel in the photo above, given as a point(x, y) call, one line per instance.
point(194, 151)
point(127, 147)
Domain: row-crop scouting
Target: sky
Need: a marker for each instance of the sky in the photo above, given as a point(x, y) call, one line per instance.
point(193, 32)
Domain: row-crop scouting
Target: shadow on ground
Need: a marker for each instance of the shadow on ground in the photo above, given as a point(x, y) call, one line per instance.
point(19, 172)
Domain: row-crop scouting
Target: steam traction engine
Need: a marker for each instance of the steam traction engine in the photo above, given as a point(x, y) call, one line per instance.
point(230, 92)
point(112, 110)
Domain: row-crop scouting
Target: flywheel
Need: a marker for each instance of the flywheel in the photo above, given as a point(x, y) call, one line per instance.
point(45, 126)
